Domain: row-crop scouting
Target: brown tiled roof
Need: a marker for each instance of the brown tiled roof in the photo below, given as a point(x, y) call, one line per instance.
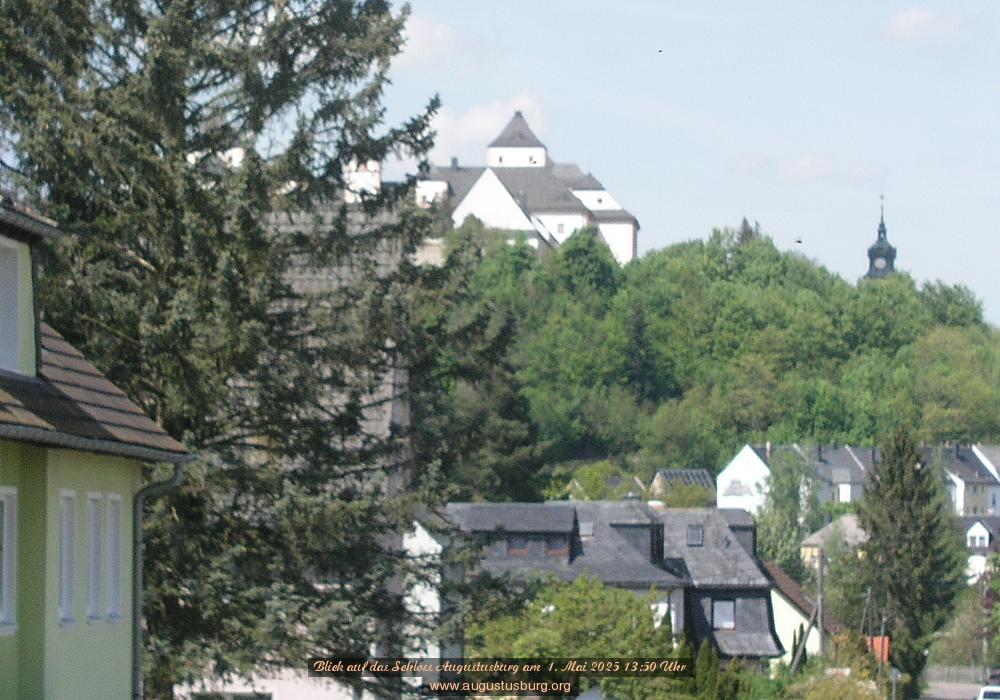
point(797, 597)
point(72, 405)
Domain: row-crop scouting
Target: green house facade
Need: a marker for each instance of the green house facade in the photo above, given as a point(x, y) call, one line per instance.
point(71, 447)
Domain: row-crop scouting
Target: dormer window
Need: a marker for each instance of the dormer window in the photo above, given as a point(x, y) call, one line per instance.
point(17, 330)
point(695, 536)
point(556, 545)
point(517, 545)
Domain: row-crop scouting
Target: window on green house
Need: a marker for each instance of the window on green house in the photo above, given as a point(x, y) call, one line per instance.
point(114, 556)
point(8, 557)
point(67, 537)
point(94, 558)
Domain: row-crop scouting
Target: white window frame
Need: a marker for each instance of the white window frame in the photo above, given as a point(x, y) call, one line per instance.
point(113, 553)
point(67, 557)
point(8, 561)
point(722, 624)
point(95, 559)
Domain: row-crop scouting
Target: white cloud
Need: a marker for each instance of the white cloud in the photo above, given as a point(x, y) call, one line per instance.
point(810, 169)
point(426, 41)
point(923, 24)
point(464, 135)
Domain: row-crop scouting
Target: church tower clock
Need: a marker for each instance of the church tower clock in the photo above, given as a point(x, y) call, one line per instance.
point(881, 255)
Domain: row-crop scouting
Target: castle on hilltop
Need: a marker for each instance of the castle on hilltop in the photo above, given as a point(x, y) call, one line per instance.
point(522, 189)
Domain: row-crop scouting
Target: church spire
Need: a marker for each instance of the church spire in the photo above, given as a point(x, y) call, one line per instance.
point(881, 254)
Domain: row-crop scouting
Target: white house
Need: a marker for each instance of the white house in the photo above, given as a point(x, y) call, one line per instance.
point(743, 482)
point(981, 540)
point(521, 189)
point(793, 610)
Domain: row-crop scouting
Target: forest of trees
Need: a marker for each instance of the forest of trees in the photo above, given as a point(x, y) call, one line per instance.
point(690, 351)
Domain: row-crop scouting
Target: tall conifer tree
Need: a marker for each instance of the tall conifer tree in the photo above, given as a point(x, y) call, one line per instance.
point(913, 558)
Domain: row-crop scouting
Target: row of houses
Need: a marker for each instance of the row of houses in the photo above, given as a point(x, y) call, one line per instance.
point(972, 473)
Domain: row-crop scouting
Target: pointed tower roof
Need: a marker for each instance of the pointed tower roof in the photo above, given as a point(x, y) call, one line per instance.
point(517, 134)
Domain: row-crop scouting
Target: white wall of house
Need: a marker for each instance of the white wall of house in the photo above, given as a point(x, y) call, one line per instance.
point(516, 157)
point(422, 597)
point(597, 200)
point(431, 192)
point(975, 567)
point(957, 492)
point(993, 492)
point(677, 612)
point(977, 536)
point(361, 179)
point(621, 238)
point(490, 202)
point(742, 483)
point(562, 226)
point(787, 618)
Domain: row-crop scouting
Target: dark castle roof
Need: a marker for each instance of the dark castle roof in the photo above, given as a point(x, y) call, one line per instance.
point(517, 134)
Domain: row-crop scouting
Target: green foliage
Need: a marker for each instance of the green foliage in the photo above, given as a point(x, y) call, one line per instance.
point(961, 641)
point(914, 556)
point(124, 118)
point(693, 350)
point(790, 511)
point(706, 671)
point(688, 496)
point(617, 624)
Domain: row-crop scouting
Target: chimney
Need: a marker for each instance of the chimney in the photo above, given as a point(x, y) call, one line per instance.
point(768, 449)
point(454, 163)
point(873, 455)
point(819, 453)
point(957, 445)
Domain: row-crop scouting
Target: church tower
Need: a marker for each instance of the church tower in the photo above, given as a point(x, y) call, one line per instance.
point(881, 254)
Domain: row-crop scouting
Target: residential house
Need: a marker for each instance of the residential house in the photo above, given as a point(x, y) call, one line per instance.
point(973, 483)
point(71, 446)
point(521, 189)
point(846, 530)
point(667, 480)
point(839, 471)
point(700, 562)
point(793, 613)
point(728, 599)
point(981, 534)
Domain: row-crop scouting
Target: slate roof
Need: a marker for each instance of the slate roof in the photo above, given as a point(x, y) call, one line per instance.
point(607, 554)
point(737, 517)
point(571, 174)
point(793, 592)
point(72, 405)
point(613, 216)
point(960, 461)
point(721, 561)
point(753, 644)
point(517, 134)
point(554, 517)
point(992, 453)
point(460, 179)
point(849, 527)
point(687, 477)
point(538, 190)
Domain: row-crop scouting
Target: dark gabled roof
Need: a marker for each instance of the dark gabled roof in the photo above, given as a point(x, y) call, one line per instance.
point(793, 592)
point(837, 464)
point(460, 179)
point(721, 561)
point(990, 522)
point(72, 405)
point(21, 221)
point(607, 554)
point(960, 461)
point(733, 643)
point(687, 477)
point(517, 134)
point(737, 517)
point(538, 190)
point(613, 216)
point(556, 517)
point(571, 174)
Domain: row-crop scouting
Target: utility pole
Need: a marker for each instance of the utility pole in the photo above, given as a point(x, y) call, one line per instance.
point(819, 603)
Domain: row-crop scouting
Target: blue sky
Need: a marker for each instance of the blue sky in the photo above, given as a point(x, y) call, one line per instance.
point(693, 115)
